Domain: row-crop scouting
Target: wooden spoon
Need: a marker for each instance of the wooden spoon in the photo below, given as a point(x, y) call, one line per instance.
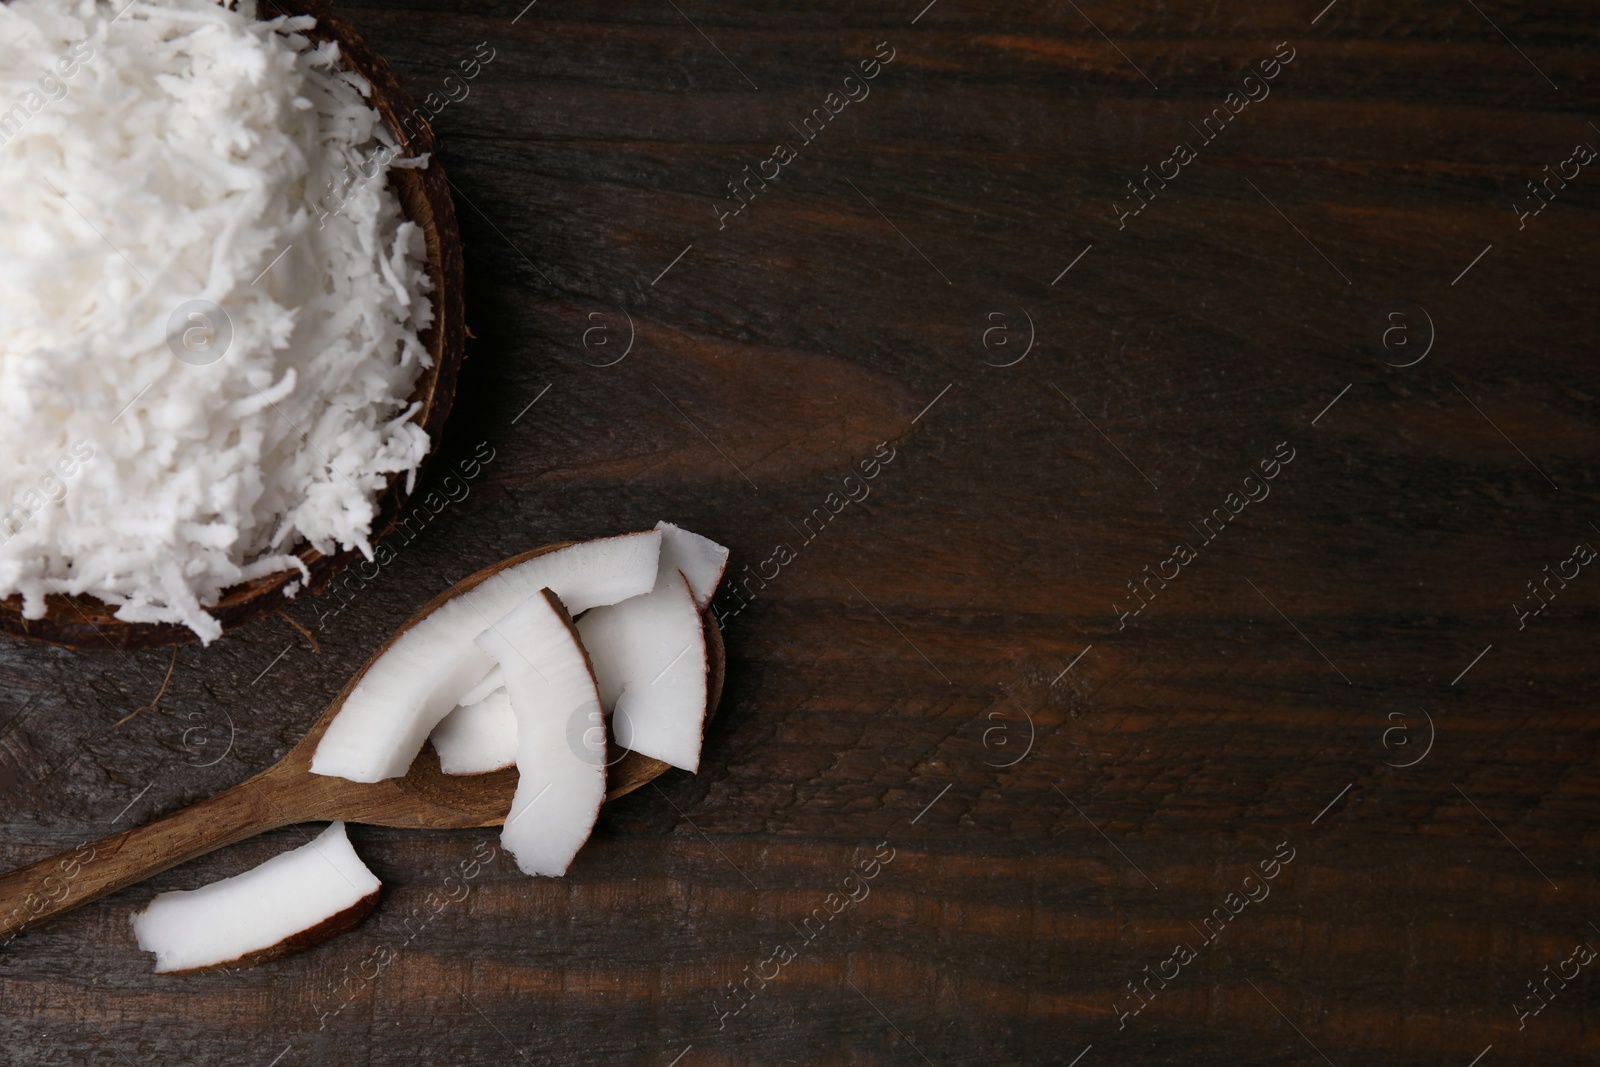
point(287, 793)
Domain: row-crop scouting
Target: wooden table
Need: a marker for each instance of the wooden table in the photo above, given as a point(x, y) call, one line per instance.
point(1081, 748)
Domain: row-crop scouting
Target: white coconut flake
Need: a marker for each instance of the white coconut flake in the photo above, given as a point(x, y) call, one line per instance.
point(649, 658)
point(157, 154)
point(561, 774)
point(700, 559)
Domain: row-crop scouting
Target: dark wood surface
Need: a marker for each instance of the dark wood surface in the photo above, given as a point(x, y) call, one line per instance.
point(1258, 706)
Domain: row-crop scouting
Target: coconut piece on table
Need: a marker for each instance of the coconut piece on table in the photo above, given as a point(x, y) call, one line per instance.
point(561, 775)
point(289, 903)
point(425, 672)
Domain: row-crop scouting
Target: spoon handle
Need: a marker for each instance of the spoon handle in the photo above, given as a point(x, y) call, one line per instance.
point(34, 893)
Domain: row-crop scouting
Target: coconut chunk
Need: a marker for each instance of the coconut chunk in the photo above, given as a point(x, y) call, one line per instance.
point(701, 560)
point(560, 736)
point(289, 903)
point(649, 657)
point(478, 738)
point(495, 679)
point(404, 693)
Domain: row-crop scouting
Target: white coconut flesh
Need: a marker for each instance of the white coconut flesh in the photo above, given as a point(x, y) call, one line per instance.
point(663, 721)
point(561, 775)
point(701, 560)
point(649, 656)
point(289, 895)
point(479, 737)
point(495, 679)
point(408, 689)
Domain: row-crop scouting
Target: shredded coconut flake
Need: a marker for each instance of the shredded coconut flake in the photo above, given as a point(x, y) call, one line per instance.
point(158, 154)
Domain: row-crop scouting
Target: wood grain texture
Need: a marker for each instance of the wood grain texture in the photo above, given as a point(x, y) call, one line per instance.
point(880, 681)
